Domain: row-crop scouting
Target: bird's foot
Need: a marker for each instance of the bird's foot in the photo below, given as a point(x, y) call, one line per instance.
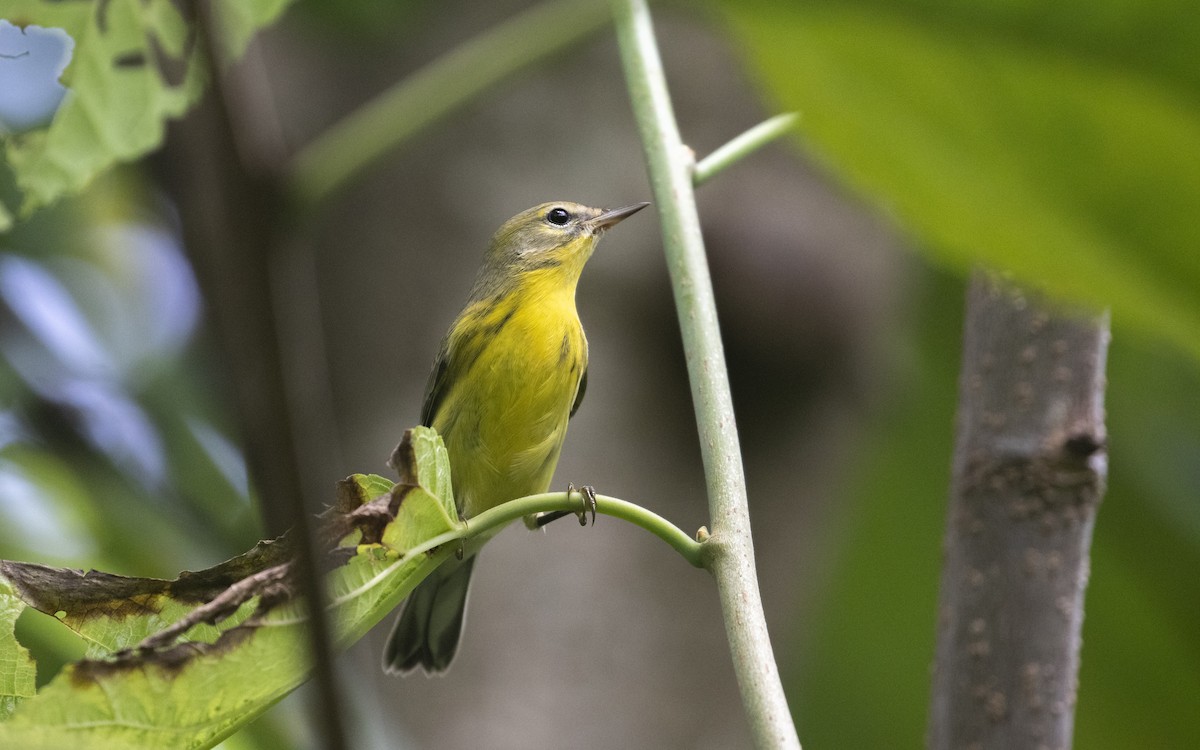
point(587, 494)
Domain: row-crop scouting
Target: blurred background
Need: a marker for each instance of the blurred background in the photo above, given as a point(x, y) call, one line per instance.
point(122, 449)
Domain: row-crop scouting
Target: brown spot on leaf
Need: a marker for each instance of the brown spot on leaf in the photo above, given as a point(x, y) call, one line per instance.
point(349, 495)
point(173, 69)
point(372, 518)
point(404, 459)
point(84, 595)
point(127, 60)
point(264, 574)
point(171, 661)
point(202, 586)
point(273, 586)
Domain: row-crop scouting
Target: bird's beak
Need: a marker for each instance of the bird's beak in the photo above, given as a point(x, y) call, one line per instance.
point(614, 216)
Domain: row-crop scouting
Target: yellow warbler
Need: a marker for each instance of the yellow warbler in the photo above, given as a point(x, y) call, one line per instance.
point(511, 371)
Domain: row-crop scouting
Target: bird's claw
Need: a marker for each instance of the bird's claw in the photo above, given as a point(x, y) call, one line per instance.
point(588, 494)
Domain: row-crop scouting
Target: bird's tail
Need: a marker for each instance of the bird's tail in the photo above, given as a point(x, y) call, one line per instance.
point(427, 632)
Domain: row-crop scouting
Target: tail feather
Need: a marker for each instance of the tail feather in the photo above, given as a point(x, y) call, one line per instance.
point(427, 632)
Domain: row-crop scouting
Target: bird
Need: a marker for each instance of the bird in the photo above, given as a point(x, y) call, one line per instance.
point(510, 373)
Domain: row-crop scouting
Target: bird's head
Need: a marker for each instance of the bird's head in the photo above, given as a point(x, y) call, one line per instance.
point(558, 235)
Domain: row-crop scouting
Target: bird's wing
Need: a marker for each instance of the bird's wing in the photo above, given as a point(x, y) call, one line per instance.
point(439, 383)
point(579, 392)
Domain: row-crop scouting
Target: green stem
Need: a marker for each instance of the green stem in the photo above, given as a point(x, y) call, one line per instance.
point(361, 139)
point(729, 553)
point(741, 147)
point(506, 513)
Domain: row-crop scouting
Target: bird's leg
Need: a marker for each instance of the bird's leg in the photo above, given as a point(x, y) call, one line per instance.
point(541, 519)
point(588, 494)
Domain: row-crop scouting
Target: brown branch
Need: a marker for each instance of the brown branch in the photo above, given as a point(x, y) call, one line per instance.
point(230, 204)
point(1029, 472)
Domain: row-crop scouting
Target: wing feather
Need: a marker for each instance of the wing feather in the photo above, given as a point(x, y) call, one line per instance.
point(579, 392)
point(435, 390)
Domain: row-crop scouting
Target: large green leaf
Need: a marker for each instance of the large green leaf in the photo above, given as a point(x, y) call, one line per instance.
point(1060, 141)
point(1139, 679)
point(863, 680)
point(135, 64)
point(192, 689)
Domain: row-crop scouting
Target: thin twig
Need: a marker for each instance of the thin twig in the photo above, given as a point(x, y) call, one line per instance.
point(690, 549)
point(730, 551)
point(742, 146)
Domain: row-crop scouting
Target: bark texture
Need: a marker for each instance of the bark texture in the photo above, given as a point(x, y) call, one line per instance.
point(1029, 471)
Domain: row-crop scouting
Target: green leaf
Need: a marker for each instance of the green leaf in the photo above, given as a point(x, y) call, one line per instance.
point(240, 618)
point(135, 65)
point(372, 486)
point(17, 670)
point(1058, 141)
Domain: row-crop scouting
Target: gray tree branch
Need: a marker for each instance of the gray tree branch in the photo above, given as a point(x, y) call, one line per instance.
point(1029, 471)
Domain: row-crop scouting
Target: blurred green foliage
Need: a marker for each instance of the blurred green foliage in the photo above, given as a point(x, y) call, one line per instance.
point(131, 66)
point(115, 450)
point(863, 676)
point(1058, 141)
point(194, 698)
point(863, 681)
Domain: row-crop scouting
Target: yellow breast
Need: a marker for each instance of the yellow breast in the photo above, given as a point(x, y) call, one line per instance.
point(507, 419)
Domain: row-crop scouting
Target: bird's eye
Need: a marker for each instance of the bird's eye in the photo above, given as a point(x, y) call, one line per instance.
point(558, 216)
